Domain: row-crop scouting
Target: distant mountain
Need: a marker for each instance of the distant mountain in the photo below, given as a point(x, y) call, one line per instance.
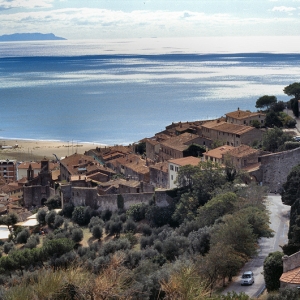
point(29, 37)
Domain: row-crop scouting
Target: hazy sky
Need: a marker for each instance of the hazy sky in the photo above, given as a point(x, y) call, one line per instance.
point(86, 19)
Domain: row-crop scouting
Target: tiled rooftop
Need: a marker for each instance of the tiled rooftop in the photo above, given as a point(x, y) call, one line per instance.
point(217, 152)
point(233, 128)
point(242, 151)
point(179, 142)
point(241, 114)
point(184, 161)
point(292, 276)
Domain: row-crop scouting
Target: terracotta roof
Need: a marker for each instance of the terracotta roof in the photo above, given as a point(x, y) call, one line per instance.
point(212, 124)
point(217, 152)
point(75, 161)
point(292, 276)
point(152, 142)
point(180, 142)
point(116, 183)
point(233, 128)
point(133, 162)
point(184, 161)
point(242, 114)
point(242, 151)
point(162, 166)
point(36, 165)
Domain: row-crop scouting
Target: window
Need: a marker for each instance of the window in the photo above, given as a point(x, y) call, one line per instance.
point(171, 177)
point(171, 167)
point(176, 169)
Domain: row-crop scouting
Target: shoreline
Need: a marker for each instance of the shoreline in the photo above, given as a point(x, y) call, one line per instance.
point(35, 150)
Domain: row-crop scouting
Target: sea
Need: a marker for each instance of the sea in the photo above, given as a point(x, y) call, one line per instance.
point(120, 91)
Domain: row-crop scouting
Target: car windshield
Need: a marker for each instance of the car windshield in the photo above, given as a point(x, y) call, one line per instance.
point(246, 276)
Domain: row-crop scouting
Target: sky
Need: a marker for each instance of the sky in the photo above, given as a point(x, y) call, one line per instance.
point(109, 19)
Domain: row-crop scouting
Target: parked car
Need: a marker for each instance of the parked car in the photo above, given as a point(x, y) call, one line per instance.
point(247, 278)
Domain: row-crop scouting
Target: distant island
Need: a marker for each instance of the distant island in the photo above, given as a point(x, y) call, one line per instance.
point(29, 37)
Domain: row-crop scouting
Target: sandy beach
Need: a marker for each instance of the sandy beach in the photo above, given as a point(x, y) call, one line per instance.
point(33, 150)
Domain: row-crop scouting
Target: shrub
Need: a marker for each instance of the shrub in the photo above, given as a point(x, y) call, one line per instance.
point(32, 241)
point(53, 202)
point(95, 221)
point(130, 226)
point(58, 221)
point(97, 232)
point(67, 210)
point(8, 246)
point(41, 216)
point(23, 236)
point(79, 215)
point(77, 235)
point(50, 217)
point(137, 212)
point(106, 215)
point(146, 230)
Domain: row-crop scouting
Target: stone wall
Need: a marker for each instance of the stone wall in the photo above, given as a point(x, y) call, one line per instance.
point(291, 262)
point(276, 167)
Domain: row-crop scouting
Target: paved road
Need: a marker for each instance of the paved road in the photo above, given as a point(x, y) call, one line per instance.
point(279, 218)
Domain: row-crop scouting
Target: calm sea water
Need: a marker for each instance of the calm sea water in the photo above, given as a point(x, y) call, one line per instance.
point(120, 91)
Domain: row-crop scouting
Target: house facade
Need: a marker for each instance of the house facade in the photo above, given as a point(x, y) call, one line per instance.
point(176, 164)
point(242, 117)
point(231, 134)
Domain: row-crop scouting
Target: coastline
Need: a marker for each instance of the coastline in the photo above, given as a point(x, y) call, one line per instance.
point(35, 150)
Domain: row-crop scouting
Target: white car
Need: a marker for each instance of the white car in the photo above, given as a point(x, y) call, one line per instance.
point(247, 278)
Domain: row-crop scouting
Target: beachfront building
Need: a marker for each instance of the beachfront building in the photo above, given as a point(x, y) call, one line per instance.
point(176, 164)
point(8, 170)
point(242, 117)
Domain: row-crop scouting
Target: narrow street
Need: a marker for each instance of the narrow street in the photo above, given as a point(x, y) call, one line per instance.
point(279, 218)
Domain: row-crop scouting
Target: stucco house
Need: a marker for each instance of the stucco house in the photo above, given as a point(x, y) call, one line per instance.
point(242, 117)
point(176, 164)
point(231, 134)
point(216, 155)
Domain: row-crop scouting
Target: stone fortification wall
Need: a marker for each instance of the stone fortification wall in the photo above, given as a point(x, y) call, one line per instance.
point(83, 196)
point(162, 199)
point(276, 167)
point(107, 202)
point(131, 199)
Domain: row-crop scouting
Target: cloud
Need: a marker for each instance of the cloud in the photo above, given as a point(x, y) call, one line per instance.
point(104, 23)
point(28, 4)
point(283, 9)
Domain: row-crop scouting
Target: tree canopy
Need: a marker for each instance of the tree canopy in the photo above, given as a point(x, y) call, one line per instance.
point(265, 101)
point(293, 90)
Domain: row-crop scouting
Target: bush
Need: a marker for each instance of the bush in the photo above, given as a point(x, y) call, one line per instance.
point(129, 226)
point(32, 241)
point(41, 216)
point(8, 246)
point(58, 221)
point(146, 229)
point(50, 217)
point(137, 212)
point(80, 215)
point(95, 221)
point(67, 210)
point(106, 215)
point(97, 232)
point(77, 235)
point(53, 202)
point(23, 236)
point(113, 228)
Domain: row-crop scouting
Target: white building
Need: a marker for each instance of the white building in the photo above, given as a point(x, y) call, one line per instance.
point(175, 164)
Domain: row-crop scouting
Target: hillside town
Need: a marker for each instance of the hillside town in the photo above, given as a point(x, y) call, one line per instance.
point(99, 175)
point(116, 178)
